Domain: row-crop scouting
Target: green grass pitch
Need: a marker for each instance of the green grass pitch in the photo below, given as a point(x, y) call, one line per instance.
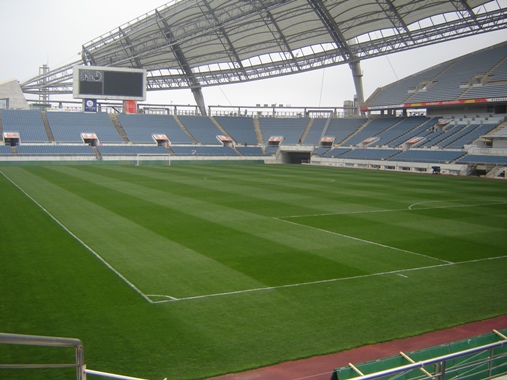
point(191, 271)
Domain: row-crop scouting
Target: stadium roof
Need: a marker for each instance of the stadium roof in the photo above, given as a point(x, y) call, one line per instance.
point(190, 44)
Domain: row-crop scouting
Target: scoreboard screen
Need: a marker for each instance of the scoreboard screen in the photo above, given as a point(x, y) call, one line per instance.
point(109, 83)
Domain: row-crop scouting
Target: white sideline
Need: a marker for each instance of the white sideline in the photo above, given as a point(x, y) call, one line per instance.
point(79, 240)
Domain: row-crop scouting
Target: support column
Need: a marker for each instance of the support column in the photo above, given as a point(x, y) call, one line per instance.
point(199, 99)
point(357, 75)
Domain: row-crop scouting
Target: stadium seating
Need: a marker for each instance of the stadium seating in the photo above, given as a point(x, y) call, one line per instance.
point(28, 124)
point(373, 128)
point(131, 150)
point(316, 131)
point(68, 126)
point(482, 159)
point(477, 75)
point(241, 129)
point(140, 128)
point(55, 150)
point(193, 150)
point(336, 152)
point(5, 150)
point(250, 151)
point(202, 129)
point(341, 129)
point(431, 156)
point(370, 154)
point(291, 129)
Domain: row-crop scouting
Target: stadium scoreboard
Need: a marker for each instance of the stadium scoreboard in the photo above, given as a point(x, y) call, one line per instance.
point(114, 83)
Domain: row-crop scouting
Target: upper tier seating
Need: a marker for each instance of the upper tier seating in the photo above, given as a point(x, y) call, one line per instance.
point(341, 129)
point(315, 133)
point(68, 126)
point(28, 124)
point(202, 129)
point(374, 128)
point(140, 128)
point(457, 79)
point(291, 129)
point(422, 130)
point(241, 129)
point(400, 128)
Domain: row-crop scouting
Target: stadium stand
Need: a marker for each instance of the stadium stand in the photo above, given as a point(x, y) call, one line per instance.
point(431, 156)
point(241, 129)
point(399, 129)
point(28, 124)
point(140, 128)
point(250, 150)
point(316, 131)
point(203, 151)
point(5, 150)
point(336, 152)
point(420, 131)
point(341, 129)
point(483, 159)
point(131, 150)
point(370, 154)
point(291, 129)
point(474, 75)
point(55, 150)
point(393, 138)
point(202, 129)
point(372, 129)
point(68, 126)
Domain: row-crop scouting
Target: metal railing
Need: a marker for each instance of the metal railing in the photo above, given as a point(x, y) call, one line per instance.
point(79, 364)
point(445, 366)
point(33, 340)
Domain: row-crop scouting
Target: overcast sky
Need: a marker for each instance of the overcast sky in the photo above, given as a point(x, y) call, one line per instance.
point(37, 32)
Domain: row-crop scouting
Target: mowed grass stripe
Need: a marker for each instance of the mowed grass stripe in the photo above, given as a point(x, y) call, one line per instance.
point(275, 256)
point(431, 234)
point(138, 253)
point(263, 258)
point(277, 196)
point(65, 294)
point(249, 255)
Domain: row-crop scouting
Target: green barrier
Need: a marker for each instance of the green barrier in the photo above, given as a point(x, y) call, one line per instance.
point(473, 366)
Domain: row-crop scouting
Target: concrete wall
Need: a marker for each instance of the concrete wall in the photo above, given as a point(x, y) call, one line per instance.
point(11, 90)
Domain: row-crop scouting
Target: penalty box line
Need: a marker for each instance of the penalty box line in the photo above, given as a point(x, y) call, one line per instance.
point(399, 272)
point(122, 277)
point(363, 240)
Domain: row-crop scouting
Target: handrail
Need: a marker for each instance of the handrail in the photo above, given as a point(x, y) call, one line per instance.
point(36, 340)
point(423, 363)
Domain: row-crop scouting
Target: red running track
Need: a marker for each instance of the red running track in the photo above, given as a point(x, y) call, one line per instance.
point(322, 367)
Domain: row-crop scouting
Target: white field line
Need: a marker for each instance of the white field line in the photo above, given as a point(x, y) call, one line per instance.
point(412, 207)
point(80, 241)
point(492, 203)
point(399, 272)
point(253, 290)
point(364, 241)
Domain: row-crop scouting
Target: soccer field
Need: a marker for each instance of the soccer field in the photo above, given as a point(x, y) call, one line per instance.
point(190, 271)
